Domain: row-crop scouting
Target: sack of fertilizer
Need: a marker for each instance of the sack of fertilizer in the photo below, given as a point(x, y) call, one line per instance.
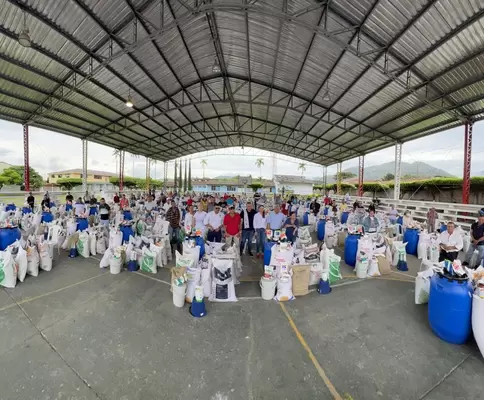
point(33, 259)
point(148, 262)
point(115, 238)
point(334, 262)
point(8, 272)
point(71, 226)
point(44, 255)
point(92, 243)
point(20, 259)
point(157, 251)
point(82, 244)
point(116, 262)
point(206, 277)
point(191, 251)
point(284, 288)
point(100, 243)
point(37, 219)
point(104, 263)
point(223, 288)
point(315, 273)
point(373, 269)
point(193, 280)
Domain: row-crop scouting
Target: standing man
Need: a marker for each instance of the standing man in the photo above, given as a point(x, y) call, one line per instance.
point(31, 200)
point(213, 222)
point(450, 243)
point(232, 227)
point(173, 217)
point(69, 198)
point(257, 198)
point(247, 225)
point(104, 210)
point(315, 206)
point(477, 240)
point(275, 219)
point(116, 198)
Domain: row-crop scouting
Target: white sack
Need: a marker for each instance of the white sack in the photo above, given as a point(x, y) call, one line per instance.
point(223, 289)
point(45, 257)
point(148, 262)
point(106, 257)
point(8, 272)
point(33, 260)
point(82, 244)
point(193, 280)
point(284, 289)
point(92, 243)
point(115, 238)
point(21, 261)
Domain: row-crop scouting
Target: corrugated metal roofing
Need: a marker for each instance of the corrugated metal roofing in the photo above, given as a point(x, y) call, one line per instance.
point(321, 80)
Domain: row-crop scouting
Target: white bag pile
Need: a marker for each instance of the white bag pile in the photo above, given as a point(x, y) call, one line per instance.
point(223, 281)
point(304, 237)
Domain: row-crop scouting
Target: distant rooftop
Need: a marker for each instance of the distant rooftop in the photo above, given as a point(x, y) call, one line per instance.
point(79, 171)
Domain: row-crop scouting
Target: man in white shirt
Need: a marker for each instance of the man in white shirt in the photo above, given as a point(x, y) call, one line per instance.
point(150, 204)
point(213, 222)
point(450, 243)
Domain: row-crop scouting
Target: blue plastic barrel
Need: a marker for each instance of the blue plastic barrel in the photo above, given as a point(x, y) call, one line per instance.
point(306, 218)
point(127, 231)
point(8, 236)
point(411, 238)
point(443, 228)
point(82, 224)
point(321, 229)
point(199, 241)
point(10, 207)
point(344, 217)
point(268, 252)
point(68, 207)
point(26, 210)
point(92, 210)
point(52, 204)
point(325, 212)
point(132, 265)
point(47, 217)
point(450, 305)
point(351, 248)
point(400, 220)
point(127, 215)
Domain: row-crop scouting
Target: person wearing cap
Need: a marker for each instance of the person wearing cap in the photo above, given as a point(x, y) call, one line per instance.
point(232, 227)
point(213, 222)
point(173, 217)
point(477, 240)
point(450, 243)
point(247, 225)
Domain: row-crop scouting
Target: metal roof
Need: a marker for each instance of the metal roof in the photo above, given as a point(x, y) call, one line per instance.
point(324, 81)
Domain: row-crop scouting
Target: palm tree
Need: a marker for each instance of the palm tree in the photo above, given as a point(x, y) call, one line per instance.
point(259, 162)
point(302, 167)
point(204, 164)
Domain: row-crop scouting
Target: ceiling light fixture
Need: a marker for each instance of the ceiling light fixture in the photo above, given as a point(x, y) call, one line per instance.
point(129, 102)
point(24, 37)
point(326, 96)
point(215, 66)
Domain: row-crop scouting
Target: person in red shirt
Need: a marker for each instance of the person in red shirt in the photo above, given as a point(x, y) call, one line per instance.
point(226, 196)
point(123, 203)
point(190, 201)
point(232, 223)
point(116, 198)
point(327, 200)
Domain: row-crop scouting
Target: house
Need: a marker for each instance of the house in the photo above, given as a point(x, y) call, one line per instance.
point(224, 185)
point(96, 180)
point(294, 184)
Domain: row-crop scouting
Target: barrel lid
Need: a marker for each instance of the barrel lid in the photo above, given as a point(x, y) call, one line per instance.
point(452, 278)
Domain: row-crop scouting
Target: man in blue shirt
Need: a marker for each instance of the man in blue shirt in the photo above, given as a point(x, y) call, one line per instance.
point(276, 219)
point(477, 240)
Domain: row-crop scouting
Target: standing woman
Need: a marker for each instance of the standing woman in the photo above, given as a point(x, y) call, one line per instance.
point(291, 226)
point(260, 231)
point(189, 218)
point(199, 220)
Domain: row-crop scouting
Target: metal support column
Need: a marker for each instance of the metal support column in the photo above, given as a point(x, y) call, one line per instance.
point(361, 170)
point(274, 165)
point(165, 174)
point(398, 164)
point(325, 179)
point(466, 183)
point(175, 177)
point(148, 173)
point(338, 178)
point(84, 165)
point(121, 170)
point(26, 159)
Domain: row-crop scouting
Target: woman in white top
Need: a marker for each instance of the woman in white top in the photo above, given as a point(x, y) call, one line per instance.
point(407, 220)
point(260, 231)
point(189, 222)
point(79, 207)
point(200, 220)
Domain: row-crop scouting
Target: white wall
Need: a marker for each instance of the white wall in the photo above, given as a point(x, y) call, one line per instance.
point(298, 188)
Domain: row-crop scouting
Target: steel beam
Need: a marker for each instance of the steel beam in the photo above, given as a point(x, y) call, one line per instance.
point(148, 173)
point(361, 170)
point(398, 170)
point(84, 165)
point(26, 159)
point(165, 174)
point(338, 178)
point(121, 170)
point(325, 178)
point(466, 183)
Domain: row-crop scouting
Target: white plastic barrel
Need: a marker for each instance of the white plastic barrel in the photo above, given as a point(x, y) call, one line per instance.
point(361, 269)
point(268, 288)
point(179, 293)
point(478, 321)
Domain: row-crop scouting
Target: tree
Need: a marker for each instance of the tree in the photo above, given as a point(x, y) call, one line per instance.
point(259, 162)
point(345, 175)
point(185, 179)
point(180, 177)
point(388, 177)
point(190, 187)
point(302, 167)
point(15, 176)
point(69, 183)
point(256, 186)
point(128, 182)
point(116, 154)
point(175, 177)
point(204, 164)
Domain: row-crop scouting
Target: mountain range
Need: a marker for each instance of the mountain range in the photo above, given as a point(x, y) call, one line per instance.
point(416, 169)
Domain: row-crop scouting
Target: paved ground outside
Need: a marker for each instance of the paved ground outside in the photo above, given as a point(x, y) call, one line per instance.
point(79, 332)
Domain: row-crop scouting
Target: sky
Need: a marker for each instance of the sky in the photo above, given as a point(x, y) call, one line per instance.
point(50, 152)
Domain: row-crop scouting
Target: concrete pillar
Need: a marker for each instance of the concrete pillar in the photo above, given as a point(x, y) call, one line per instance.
point(26, 159)
point(398, 164)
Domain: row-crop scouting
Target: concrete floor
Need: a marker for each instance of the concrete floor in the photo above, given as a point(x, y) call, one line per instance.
point(79, 332)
